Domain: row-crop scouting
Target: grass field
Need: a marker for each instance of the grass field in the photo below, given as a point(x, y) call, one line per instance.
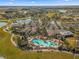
point(10, 52)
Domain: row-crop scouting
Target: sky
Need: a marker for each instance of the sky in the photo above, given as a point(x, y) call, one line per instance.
point(38, 2)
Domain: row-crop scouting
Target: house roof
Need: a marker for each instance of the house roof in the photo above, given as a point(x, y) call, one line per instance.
point(65, 32)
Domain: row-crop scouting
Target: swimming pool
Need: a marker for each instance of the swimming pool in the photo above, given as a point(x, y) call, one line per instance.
point(46, 43)
point(2, 24)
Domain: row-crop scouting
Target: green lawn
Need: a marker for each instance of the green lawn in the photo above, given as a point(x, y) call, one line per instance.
point(11, 52)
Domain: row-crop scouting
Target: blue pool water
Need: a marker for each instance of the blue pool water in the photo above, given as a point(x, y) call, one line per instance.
point(44, 43)
point(2, 24)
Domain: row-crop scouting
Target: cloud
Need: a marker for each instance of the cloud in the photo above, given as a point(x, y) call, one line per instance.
point(10, 3)
point(12, 0)
point(33, 2)
point(66, 0)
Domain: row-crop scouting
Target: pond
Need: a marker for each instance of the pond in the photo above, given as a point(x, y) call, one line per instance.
point(2, 24)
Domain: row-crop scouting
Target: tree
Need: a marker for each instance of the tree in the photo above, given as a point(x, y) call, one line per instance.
point(72, 29)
